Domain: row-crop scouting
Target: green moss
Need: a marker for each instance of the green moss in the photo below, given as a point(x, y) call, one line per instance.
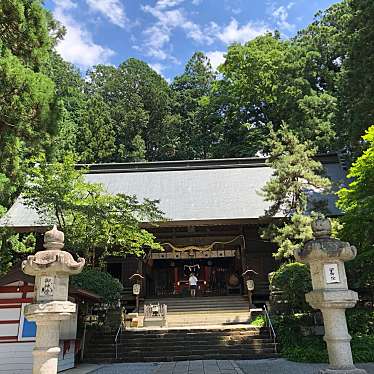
point(259, 321)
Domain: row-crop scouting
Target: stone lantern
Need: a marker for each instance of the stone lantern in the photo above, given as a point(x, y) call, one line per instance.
point(51, 268)
point(326, 257)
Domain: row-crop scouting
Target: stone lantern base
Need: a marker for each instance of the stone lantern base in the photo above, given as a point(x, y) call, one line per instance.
point(47, 317)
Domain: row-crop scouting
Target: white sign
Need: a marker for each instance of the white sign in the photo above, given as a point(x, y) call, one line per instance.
point(331, 273)
point(47, 286)
point(250, 285)
point(136, 289)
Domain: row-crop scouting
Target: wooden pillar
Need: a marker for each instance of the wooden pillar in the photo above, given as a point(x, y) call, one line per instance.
point(206, 273)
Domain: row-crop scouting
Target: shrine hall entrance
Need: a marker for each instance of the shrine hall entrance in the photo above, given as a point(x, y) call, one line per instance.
point(216, 277)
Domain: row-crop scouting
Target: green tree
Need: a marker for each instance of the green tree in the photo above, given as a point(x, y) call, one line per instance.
point(28, 31)
point(357, 200)
point(27, 35)
point(100, 282)
point(96, 142)
point(70, 107)
point(192, 97)
point(295, 173)
point(293, 280)
point(95, 223)
point(140, 103)
point(267, 80)
point(327, 39)
point(356, 99)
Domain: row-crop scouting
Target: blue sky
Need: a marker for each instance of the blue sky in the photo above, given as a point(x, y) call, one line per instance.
point(165, 33)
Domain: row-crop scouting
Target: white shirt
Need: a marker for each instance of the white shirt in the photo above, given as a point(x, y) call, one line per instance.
point(192, 280)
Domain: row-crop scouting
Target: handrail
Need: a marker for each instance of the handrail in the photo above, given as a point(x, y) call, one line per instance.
point(271, 327)
point(119, 330)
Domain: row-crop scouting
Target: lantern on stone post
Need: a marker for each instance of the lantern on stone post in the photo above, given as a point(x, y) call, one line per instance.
point(51, 268)
point(137, 280)
point(326, 257)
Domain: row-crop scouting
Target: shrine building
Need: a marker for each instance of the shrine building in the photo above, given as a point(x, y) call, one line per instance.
point(214, 214)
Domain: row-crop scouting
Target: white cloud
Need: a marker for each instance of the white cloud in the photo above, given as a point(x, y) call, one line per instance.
point(196, 2)
point(78, 46)
point(236, 10)
point(167, 20)
point(194, 32)
point(157, 67)
point(162, 4)
point(280, 16)
point(156, 38)
point(216, 58)
point(65, 4)
point(234, 33)
point(111, 9)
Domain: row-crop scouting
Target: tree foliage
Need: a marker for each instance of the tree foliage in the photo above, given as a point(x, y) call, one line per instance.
point(196, 133)
point(293, 280)
point(296, 175)
point(357, 199)
point(267, 80)
point(100, 282)
point(356, 92)
point(139, 101)
point(357, 202)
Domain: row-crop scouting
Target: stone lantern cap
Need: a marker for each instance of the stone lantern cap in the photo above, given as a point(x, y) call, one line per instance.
point(323, 247)
point(52, 259)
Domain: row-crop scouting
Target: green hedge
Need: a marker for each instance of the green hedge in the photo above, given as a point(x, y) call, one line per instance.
point(100, 282)
point(293, 280)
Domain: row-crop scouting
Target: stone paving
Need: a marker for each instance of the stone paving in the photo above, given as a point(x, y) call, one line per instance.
point(180, 367)
point(268, 366)
point(282, 366)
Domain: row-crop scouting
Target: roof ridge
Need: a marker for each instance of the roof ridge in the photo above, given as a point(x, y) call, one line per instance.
point(178, 165)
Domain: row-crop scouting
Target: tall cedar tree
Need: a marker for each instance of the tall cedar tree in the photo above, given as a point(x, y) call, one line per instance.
point(295, 175)
point(356, 112)
point(139, 103)
point(196, 133)
point(27, 36)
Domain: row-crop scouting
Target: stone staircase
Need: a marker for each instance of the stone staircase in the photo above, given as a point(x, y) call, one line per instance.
point(204, 311)
point(177, 344)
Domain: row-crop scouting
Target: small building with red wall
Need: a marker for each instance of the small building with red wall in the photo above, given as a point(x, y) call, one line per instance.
point(17, 334)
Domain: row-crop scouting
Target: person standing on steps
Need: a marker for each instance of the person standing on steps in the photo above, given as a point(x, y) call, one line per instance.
point(192, 281)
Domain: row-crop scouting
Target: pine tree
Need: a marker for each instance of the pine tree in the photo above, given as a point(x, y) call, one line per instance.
point(295, 173)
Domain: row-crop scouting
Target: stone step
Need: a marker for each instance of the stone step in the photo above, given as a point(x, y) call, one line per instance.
point(158, 340)
point(202, 346)
point(185, 334)
point(193, 301)
point(244, 342)
point(230, 356)
point(203, 351)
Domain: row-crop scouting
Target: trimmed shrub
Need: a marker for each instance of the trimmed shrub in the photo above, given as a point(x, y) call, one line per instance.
point(100, 282)
point(293, 281)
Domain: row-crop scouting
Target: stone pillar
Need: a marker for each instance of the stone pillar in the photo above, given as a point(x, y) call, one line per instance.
point(326, 257)
point(51, 268)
